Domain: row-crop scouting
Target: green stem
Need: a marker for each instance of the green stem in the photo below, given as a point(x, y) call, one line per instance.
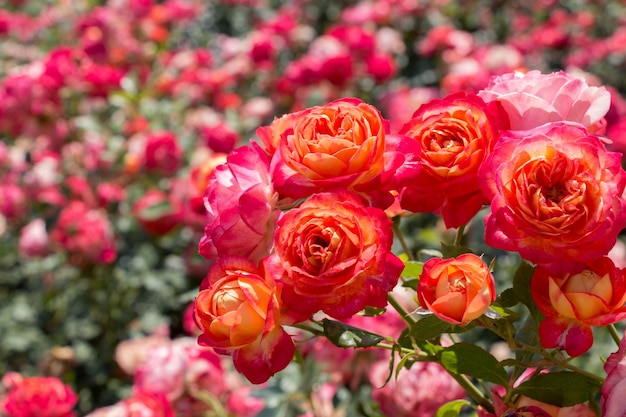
point(400, 236)
point(473, 392)
point(459, 235)
point(613, 332)
point(406, 316)
point(562, 364)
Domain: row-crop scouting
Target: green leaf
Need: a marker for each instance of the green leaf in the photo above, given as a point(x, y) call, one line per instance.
point(346, 336)
point(471, 360)
point(508, 298)
point(373, 311)
point(562, 389)
point(521, 284)
point(452, 251)
point(412, 269)
point(431, 327)
point(452, 409)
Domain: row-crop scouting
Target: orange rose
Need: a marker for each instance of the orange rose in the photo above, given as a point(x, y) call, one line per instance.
point(339, 145)
point(238, 311)
point(457, 290)
point(333, 254)
point(455, 134)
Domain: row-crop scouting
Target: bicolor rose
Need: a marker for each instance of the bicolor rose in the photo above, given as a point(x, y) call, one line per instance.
point(239, 311)
point(574, 302)
point(333, 254)
point(557, 196)
point(241, 207)
point(457, 290)
point(455, 134)
point(532, 99)
point(339, 145)
point(36, 396)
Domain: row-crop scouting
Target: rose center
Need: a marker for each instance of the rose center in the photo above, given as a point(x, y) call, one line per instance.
point(228, 298)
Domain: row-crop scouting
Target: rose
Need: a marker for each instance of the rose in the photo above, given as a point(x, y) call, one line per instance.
point(162, 153)
point(156, 213)
point(533, 99)
point(574, 302)
point(34, 241)
point(36, 396)
point(333, 254)
point(614, 386)
point(338, 145)
point(241, 207)
point(86, 234)
point(140, 404)
point(457, 290)
point(239, 311)
point(556, 196)
point(455, 134)
point(418, 391)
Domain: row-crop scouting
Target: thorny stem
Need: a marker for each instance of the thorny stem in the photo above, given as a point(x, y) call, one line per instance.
point(613, 332)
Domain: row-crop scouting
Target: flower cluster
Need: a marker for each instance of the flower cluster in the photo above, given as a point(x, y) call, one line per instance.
point(307, 227)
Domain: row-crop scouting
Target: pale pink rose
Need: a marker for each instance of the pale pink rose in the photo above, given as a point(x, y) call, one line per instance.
point(614, 387)
point(417, 392)
point(163, 372)
point(242, 404)
point(34, 241)
point(132, 353)
point(532, 99)
point(241, 207)
point(140, 404)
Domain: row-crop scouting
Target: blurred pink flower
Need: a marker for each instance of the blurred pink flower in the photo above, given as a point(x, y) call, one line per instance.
point(140, 404)
point(614, 386)
point(417, 392)
point(34, 241)
point(86, 234)
point(163, 153)
point(36, 397)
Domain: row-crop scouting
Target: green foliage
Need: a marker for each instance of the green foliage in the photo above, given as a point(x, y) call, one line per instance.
point(562, 388)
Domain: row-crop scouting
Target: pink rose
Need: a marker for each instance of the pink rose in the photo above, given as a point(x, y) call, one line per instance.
point(36, 396)
point(556, 196)
point(162, 153)
point(86, 234)
point(34, 241)
point(614, 387)
point(418, 391)
point(241, 207)
point(533, 98)
point(140, 404)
